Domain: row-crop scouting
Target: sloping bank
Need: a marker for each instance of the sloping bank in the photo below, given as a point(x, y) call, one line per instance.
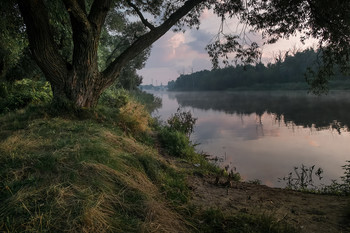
point(116, 170)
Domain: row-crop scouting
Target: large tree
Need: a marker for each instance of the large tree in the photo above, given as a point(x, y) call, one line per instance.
point(79, 79)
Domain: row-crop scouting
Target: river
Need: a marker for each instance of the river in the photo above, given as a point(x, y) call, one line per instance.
point(264, 135)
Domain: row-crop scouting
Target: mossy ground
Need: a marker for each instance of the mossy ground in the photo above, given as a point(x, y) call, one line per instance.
point(102, 173)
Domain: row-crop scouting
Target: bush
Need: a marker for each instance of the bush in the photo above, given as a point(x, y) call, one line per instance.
point(182, 121)
point(22, 93)
point(176, 143)
point(114, 98)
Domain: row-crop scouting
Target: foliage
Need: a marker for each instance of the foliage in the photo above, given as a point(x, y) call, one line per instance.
point(114, 98)
point(182, 121)
point(12, 41)
point(175, 138)
point(176, 143)
point(125, 31)
point(23, 92)
point(288, 72)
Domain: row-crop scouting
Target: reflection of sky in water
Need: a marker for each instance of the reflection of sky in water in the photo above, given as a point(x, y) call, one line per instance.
point(261, 147)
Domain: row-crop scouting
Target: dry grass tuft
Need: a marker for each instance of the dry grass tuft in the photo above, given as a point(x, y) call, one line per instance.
point(19, 142)
point(134, 118)
point(161, 218)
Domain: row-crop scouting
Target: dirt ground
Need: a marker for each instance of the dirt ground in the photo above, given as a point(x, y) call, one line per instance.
point(309, 212)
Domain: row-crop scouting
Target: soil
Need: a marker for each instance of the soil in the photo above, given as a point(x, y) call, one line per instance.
point(308, 212)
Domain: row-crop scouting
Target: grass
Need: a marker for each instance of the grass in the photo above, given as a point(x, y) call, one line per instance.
point(99, 173)
point(60, 174)
point(214, 220)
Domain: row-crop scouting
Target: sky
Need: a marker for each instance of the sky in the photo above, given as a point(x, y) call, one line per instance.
point(183, 53)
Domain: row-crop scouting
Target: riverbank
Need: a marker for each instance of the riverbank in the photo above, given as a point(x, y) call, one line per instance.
point(105, 171)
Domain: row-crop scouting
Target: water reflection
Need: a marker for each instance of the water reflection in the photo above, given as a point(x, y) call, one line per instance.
point(265, 135)
point(294, 108)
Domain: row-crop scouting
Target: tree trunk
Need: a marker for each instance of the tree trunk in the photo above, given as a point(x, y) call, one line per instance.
point(81, 89)
point(80, 84)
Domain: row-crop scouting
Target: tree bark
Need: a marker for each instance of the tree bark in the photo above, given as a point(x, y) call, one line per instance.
point(78, 84)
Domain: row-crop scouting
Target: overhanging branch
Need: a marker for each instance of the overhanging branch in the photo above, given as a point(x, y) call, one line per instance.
point(138, 12)
point(111, 72)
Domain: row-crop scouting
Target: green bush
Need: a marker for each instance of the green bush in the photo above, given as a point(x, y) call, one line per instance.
point(182, 121)
point(22, 93)
point(176, 143)
point(114, 98)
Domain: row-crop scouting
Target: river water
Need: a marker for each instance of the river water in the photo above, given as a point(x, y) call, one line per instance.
point(264, 135)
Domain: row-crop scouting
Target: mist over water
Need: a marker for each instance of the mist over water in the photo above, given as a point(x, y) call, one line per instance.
point(265, 134)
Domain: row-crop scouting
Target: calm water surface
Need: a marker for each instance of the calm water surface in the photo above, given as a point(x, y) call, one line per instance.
point(264, 135)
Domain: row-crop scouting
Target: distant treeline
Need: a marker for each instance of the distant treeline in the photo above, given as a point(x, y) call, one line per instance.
point(288, 72)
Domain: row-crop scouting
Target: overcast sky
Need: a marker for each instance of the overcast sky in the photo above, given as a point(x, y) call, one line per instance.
point(183, 53)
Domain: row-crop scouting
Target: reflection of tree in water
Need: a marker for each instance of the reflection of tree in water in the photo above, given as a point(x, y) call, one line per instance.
point(320, 112)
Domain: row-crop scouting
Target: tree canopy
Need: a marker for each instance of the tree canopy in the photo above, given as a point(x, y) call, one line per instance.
point(65, 36)
point(287, 72)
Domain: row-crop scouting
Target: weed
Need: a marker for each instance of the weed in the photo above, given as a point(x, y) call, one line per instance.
point(302, 178)
point(303, 181)
point(255, 181)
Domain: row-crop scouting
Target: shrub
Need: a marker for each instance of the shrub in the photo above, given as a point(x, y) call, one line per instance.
point(22, 93)
point(114, 98)
point(182, 121)
point(176, 143)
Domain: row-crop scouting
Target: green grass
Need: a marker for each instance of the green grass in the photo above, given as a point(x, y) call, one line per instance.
point(88, 173)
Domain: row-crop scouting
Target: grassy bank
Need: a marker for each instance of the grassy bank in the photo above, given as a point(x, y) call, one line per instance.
point(102, 171)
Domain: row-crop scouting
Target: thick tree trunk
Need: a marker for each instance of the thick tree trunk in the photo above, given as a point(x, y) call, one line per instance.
point(79, 91)
point(80, 83)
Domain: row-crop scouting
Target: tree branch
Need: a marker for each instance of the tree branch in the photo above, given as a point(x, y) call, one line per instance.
point(138, 12)
point(41, 41)
point(77, 14)
point(98, 13)
point(143, 42)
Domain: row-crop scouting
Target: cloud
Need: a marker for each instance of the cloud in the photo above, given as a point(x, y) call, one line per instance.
point(200, 40)
point(177, 53)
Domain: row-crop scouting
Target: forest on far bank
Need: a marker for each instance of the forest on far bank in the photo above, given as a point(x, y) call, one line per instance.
point(289, 71)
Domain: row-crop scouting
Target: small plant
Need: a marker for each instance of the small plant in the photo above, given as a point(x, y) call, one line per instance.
point(346, 177)
point(302, 178)
point(255, 181)
point(182, 121)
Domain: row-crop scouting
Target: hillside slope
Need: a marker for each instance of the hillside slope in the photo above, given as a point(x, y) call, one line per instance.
point(103, 173)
